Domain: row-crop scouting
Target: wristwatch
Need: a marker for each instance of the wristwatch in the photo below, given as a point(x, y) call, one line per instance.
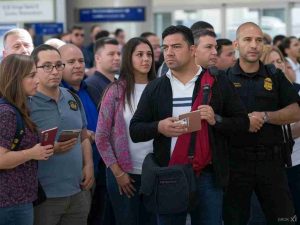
point(266, 117)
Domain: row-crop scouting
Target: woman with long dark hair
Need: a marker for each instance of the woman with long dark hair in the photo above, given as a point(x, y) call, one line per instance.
point(18, 166)
point(123, 157)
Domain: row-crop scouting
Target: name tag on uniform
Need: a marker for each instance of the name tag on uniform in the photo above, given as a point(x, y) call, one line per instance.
point(237, 85)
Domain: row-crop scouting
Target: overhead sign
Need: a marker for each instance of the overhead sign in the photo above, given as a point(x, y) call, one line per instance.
point(26, 11)
point(5, 28)
point(131, 14)
point(48, 28)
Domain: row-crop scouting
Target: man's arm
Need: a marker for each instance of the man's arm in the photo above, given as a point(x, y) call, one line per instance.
point(234, 117)
point(286, 115)
point(88, 166)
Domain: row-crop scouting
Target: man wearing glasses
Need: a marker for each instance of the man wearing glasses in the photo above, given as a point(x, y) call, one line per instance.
point(70, 169)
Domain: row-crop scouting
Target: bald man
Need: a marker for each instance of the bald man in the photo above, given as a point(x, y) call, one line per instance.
point(17, 41)
point(257, 156)
point(73, 79)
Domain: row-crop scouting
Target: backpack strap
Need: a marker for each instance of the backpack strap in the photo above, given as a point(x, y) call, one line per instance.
point(20, 128)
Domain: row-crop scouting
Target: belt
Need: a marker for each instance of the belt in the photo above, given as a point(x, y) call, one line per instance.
point(257, 153)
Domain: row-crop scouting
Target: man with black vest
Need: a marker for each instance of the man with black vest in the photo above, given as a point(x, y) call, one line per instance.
point(181, 91)
point(257, 156)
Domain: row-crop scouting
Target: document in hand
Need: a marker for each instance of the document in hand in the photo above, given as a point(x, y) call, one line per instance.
point(48, 136)
point(192, 120)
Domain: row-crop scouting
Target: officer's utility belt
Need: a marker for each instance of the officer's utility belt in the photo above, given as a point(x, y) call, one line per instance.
point(258, 153)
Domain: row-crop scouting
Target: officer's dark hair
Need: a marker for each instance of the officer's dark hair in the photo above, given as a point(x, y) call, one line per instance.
point(42, 48)
point(147, 34)
point(179, 29)
point(202, 25)
point(202, 33)
point(101, 34)
point(222, 42)
point(100, 43)
point(286, 43)
point(278, 38)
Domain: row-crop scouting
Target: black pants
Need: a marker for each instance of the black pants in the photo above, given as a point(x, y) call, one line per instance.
point(101, 212)
point(268, 179)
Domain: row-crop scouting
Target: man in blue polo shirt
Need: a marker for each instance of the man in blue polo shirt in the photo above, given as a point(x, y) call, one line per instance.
point(73, 76)
point(69, 172)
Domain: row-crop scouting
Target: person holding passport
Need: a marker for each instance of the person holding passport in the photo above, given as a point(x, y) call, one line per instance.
point(69, 172)
point(18, 159)
point(188, 87)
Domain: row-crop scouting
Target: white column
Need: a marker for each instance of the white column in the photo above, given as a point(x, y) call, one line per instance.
point(60, 12)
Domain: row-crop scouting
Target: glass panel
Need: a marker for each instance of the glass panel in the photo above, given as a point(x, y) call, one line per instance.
point(161, 22)
point(188, 17)
point(273, 21)
point(237, 16)
point(295, 21)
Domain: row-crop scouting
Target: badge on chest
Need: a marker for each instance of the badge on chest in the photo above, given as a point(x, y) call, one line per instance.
point(268, 85)
point(73, 105)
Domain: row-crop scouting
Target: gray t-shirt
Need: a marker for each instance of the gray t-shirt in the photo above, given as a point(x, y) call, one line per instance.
point(61, 174)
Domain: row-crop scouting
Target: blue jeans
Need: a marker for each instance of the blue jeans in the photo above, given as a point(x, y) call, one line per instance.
point(209, 208)
point(128, 211)
point(17, 215)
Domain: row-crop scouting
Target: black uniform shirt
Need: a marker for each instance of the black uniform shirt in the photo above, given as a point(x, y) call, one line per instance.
point(265, 90)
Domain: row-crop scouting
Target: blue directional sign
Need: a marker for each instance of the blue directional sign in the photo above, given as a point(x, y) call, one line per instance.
point(48, 28)
point(131, 14)
point(6, 27)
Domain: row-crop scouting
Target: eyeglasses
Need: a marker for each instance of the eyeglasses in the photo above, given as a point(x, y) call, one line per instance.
point(77, 35)
point(49, 67)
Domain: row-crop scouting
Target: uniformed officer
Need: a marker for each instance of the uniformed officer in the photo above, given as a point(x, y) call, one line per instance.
point(256, 157)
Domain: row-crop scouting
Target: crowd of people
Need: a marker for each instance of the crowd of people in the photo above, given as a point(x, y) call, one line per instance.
point(125, 98)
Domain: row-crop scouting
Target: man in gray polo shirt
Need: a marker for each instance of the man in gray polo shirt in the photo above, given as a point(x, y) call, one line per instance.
point(70, 170)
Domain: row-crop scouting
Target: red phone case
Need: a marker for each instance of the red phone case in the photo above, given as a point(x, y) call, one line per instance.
point(48, 136)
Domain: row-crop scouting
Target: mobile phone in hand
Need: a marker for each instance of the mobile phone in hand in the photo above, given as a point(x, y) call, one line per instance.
point(68, 134)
